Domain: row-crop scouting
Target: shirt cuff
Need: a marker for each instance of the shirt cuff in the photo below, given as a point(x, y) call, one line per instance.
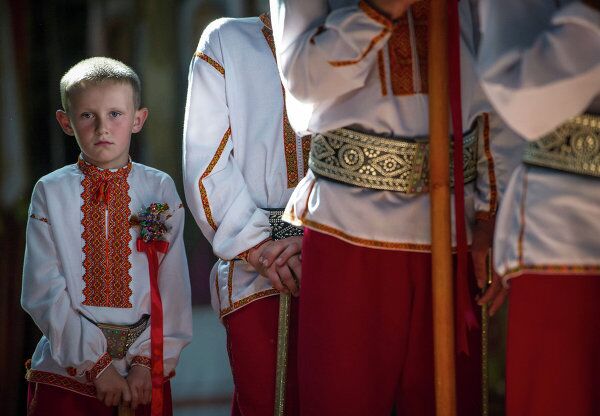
point(142, 361)
point(102, 364)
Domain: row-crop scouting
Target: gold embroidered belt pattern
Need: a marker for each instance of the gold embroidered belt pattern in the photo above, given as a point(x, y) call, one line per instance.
point(573, 147)
point(279, 228)
point(120, 337)
point(368, 161)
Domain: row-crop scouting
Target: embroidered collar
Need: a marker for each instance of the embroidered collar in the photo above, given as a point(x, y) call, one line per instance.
point(103, 180)
point(96, 173)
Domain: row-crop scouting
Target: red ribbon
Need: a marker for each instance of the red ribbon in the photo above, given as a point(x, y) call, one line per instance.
point(465, 315)
point(152, 249)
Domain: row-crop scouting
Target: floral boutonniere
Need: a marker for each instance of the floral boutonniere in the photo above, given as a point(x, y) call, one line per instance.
point(152, 221)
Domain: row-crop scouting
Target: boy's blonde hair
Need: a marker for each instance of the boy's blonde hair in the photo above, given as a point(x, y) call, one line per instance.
point(95, 71)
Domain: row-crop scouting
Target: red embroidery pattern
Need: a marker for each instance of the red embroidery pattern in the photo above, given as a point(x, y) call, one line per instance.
point(247, 300)
point(141, 360)
point(42, 219)
point(372, 44)
point(491, 166)
point(209, 168)
point(63, 382)
point(289, 135)
point(104, 361)
point(381, 67)
point(400, 54)
point(374, 14)
point(106, 235)
point(305, 152)
point(420, 12)
point(230, 281)
point(211, 62)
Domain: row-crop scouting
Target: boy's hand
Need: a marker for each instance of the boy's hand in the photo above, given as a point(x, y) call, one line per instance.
point(140, 384)
point(111, 388)
point(495, 295)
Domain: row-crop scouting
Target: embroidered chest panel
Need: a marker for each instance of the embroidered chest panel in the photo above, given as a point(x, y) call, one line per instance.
point(106, 237)
point(289, 135)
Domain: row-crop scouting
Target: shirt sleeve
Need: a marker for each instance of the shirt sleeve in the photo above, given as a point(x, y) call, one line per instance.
point(316, 47)
point(175, 293)
point(215, 188)
point(74, 341)
point(539, 64)
point(499, 153)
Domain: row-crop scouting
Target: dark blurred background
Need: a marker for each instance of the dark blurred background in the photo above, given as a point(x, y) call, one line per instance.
point(39, 41)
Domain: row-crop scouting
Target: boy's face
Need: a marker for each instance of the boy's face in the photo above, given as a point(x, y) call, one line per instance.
point(102, 118)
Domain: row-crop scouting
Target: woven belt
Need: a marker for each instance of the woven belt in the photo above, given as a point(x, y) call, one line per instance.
point(120, 337)
point(573, 147)
point(281, 229)
point(375, 162)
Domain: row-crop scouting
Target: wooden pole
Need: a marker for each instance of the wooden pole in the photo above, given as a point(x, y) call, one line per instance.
point(439, 185)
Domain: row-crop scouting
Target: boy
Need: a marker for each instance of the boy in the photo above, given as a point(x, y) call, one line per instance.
point(85, 284)
point(241, 160)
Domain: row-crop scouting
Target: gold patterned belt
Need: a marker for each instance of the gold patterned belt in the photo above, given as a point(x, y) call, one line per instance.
point(120, 337)
point(279, 228)
point(375, 162)
point(573, 147)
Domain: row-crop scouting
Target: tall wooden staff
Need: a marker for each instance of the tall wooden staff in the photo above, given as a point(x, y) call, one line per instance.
point(439, 183)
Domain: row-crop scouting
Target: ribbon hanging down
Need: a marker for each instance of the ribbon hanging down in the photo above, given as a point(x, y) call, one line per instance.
point(152, 248)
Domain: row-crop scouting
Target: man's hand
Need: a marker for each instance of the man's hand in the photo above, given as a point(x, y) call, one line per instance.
point(393, 9)
point(496, 294)
point(279, 262)
point(111, 388)
point(140, 385)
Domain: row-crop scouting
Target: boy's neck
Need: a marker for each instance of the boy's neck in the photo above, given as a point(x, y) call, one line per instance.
point(112, 168)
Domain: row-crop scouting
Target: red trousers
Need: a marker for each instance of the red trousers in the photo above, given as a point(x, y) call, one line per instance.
point(553, 346)
point(252, 348)
point(365, 334)
point(47, 400)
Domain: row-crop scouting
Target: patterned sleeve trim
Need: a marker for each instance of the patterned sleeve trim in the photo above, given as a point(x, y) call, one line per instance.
point(375, 14)
point(211, 62)
point(102, 364)
point(491, 165)
point(42, 219)
point(141, 360)
point(211, 165)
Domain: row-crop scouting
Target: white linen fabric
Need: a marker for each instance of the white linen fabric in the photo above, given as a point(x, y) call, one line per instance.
point(540, 65)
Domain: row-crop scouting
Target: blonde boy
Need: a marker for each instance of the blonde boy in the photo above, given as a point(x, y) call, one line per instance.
point(85, 284)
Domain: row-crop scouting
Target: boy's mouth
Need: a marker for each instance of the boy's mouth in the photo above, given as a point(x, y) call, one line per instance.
point(102, 143)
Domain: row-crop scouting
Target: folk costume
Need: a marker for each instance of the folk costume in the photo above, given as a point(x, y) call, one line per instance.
point(242, 161)
point(87, 287)
point(358, 81)
point(540, 65)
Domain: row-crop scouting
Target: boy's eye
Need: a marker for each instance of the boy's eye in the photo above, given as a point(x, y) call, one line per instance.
point(87, 115)
point(115, 114)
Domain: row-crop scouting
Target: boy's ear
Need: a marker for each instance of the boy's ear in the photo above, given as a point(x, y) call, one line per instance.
point(139, 119)
point(64, 122)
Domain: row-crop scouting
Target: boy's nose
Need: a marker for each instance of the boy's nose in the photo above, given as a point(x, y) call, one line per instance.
point(101, 127)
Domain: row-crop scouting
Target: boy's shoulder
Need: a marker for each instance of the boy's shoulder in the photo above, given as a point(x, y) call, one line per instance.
point(231, 26)
point(149, 174)
point(60, 175)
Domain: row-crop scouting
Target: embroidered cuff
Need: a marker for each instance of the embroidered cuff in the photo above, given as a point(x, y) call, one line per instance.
point(244, 255)
point(141, 360)
point(102, 364)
